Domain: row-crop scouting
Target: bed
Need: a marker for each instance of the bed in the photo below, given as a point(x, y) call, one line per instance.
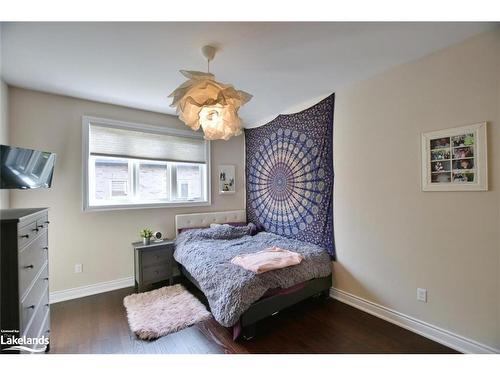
point(237, 297)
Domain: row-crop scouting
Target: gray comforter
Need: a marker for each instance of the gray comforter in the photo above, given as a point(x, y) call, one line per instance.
point(206, 254)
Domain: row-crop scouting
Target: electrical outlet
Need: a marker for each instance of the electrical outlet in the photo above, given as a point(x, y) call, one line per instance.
point(421, 295)
point(78, 268)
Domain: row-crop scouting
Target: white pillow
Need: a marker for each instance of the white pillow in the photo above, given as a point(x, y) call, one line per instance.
point(215, 225)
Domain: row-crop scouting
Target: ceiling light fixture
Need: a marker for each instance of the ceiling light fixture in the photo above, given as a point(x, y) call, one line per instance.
point(202, 101)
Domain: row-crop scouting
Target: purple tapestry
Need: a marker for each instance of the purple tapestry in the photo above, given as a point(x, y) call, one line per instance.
point(289, 172)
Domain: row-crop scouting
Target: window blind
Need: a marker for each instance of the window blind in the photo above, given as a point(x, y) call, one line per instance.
point(138, 144)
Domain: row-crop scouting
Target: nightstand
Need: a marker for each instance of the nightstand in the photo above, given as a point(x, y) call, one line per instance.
point(154, 264)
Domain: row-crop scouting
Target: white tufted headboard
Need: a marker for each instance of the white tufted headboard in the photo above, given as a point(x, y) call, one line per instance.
point(206, 218)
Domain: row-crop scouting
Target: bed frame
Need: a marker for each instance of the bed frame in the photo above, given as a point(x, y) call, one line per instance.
point(264, 307)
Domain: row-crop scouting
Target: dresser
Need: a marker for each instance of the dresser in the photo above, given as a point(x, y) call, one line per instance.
point(24, 278)
point(154, 264)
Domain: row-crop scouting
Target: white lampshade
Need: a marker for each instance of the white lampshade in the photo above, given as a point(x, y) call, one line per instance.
point(202, 101)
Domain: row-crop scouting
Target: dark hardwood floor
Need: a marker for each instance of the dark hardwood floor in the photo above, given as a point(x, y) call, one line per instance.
point(98, 324)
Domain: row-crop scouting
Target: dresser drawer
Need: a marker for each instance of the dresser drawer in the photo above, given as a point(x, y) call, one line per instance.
point(34, 297)
point(42, 222)
point(31, 260)
point(158, 272)
point(152, 257)
point(45, 331)
point(26, 234)
point(36, 324)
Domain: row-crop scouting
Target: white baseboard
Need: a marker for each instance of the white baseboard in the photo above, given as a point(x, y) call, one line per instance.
point(88, 290)
point(445, 337)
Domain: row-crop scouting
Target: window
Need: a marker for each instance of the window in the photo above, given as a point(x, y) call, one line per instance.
point(136, 166)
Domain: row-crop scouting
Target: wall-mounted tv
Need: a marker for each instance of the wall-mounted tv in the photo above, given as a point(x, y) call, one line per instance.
point(22, 168)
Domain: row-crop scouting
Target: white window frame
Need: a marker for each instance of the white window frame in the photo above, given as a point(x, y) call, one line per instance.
point(86, 190)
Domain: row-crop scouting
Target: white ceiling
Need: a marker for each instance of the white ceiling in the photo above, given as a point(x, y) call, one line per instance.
point(281, 64)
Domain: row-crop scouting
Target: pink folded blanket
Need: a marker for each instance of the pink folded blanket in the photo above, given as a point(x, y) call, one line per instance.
point(269, 259)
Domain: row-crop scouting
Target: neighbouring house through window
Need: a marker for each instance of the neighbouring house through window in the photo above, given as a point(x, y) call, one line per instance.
point(130, 165)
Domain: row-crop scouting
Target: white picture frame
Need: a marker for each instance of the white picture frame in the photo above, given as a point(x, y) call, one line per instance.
point(227, 179)
point(455, 159)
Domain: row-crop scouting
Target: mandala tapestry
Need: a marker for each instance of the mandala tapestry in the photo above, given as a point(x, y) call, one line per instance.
point(289, 172)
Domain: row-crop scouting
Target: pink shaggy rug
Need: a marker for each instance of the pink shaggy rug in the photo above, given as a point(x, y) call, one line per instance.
point(163, 311)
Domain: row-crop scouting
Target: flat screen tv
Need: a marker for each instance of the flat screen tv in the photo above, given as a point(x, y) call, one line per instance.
point(22, 168)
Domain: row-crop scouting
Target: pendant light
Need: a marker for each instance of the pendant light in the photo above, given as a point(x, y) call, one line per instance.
point(202, 101)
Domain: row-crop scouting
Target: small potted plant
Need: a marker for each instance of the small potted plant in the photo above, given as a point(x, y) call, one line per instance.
point(146, 235)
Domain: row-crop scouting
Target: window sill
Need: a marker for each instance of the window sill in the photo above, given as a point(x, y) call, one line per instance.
point(144, 206)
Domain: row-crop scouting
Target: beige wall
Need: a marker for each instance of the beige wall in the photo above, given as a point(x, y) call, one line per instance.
point(98, 240)
point(4, 134)
point(391, 237)
point(4, 128)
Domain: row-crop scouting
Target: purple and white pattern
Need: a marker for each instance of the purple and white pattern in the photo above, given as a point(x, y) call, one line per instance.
point(289, 171)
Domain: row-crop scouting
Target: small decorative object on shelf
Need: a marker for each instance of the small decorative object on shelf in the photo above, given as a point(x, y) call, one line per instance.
point(455, 159)
point(146, 235)
point(227, 183)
